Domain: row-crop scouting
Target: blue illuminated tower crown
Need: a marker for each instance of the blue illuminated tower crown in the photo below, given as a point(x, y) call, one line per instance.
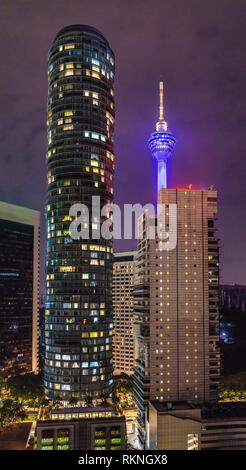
point(162, 143)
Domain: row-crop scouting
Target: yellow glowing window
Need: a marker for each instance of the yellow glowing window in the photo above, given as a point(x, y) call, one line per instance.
point(69, 46)
point(67, 269)
point(87, 168)
point(68, 113)
point(67, 73)
point(67, 217)
point(94, 247)
point(84, 335)
point(95, 75)
point(94, 334)
point(68, 127)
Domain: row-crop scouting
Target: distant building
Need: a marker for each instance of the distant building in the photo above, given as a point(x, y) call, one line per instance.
point(182, 426)
point(81, 428)
point(19, 289)
point(123, 283)
point(233, 297)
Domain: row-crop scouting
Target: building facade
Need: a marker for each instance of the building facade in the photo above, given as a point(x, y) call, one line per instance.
point(123, 284)
point(176, 294)
point(177, 305)
point(19, 289)
point(181, 426)
point(94, 433)
point(80, 167)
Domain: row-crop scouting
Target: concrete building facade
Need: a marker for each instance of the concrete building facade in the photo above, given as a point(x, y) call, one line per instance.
point(182, 426)
point(176, 303)
point(122, 293)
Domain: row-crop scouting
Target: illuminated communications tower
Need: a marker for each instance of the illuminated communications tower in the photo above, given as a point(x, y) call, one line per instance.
point(162, 143)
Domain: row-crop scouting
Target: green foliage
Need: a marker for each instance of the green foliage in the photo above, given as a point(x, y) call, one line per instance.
point(11, 411)
point(115, 398)
point(43, 401)
point(56, 403)
point(2, 384)
point(233, 386)
point(73, 401)
point(123, 383)
point(88, 401)
point(28, 387)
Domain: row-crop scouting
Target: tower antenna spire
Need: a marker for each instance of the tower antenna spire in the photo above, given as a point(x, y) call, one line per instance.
point(161, 116)
point(161, 125)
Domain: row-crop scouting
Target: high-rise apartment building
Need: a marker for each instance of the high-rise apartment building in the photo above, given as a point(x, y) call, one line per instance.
point(19, 289)
point(80, 166)
point(177, 301)
point(123, 283)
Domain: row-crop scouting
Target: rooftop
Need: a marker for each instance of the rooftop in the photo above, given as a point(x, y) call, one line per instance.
point(172, 406)
point(224, 410)
point(81, 28)
point(82, 409)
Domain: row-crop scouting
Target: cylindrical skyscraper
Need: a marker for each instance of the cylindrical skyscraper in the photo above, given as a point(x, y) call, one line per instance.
point(80, 165)
point(162, 144)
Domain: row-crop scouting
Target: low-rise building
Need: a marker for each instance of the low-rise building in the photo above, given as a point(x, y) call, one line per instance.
point(77, 430)
point(183, 426)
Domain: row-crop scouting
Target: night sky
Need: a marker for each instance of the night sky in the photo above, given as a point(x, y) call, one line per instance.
point(199, 50)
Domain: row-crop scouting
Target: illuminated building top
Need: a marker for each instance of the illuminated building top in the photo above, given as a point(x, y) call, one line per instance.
point(162, 143)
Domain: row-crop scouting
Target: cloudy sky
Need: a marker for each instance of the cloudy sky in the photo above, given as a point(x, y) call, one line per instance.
point(198, 48)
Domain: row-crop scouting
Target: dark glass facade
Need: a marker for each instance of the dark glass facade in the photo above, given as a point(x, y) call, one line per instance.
point(80, 164)
point(16, 297)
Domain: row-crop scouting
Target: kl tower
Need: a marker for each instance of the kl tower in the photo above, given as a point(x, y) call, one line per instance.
point(161, 144)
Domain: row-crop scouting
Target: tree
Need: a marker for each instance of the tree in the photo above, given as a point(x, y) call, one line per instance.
point(56, 403)
point(233, 386)
point(27, 387)
point(73, 401)
point(115, 398)
point(104, 400)
point(2, 384)
point(11, 411)
point(88, 400)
